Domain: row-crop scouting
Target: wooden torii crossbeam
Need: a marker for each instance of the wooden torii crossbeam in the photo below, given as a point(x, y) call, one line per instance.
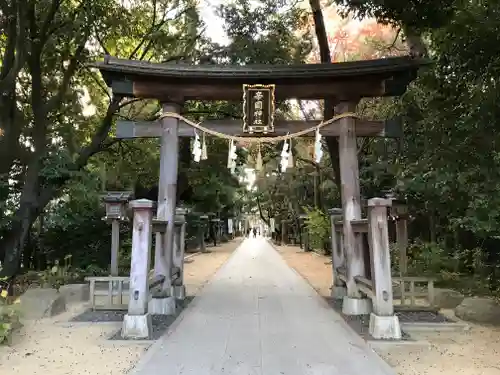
point(363, 128)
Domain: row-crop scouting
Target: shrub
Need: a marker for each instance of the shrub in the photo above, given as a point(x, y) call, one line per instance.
point(318, 225)
point(9, 314)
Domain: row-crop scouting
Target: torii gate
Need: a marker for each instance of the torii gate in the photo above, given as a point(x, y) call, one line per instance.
point(173, 84)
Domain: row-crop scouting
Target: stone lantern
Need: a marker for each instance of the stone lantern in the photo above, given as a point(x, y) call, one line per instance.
point(304, 231)
point(202, 227)
point(116, 211)
point(116, 204)
point(399, 209)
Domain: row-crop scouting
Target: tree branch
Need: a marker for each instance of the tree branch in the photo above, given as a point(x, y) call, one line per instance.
point(44, 30)
point(148, 34)
point(69, 19)
point(328, 111)
point(99, 83)
point(320, 29)
point(14, 55)
point(130, 101)
point(261, 214)
point(99, 137)
point(151, 41)
point(37, 101)
point(389, 47)
point(101, 43)
point(68, 74)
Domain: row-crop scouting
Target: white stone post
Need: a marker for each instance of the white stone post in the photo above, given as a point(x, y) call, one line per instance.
point(137, 321)
point(179, 250)
point(339, 290)
point(383, 323)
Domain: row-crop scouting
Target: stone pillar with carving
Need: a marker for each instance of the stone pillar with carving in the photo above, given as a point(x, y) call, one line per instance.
point(339, 290)
point(178, 255)
point(383, 323)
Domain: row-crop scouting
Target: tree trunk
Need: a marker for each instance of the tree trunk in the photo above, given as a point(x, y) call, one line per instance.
point(34, 199)
point(261, 214)
point(332, 143)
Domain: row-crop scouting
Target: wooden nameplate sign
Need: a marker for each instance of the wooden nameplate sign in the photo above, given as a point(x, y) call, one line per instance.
point(258, 109)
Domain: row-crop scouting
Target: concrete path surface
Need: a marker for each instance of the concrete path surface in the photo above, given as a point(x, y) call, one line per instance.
point(258, 317)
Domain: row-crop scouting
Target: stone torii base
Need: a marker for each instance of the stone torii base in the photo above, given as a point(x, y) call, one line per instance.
point(165, 303)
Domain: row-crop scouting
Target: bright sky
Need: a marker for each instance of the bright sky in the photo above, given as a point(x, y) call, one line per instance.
point(214, 24)
point(216, 32)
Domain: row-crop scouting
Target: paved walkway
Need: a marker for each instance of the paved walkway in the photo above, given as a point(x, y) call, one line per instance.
point(258, 317)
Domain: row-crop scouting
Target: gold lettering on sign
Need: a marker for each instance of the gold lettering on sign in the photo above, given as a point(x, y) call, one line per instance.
point(258, 105)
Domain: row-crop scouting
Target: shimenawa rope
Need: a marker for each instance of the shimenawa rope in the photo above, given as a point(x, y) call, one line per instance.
point(201, 128)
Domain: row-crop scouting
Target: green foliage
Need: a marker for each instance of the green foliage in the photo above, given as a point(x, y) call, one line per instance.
point(428, 259)
point(416, 14)
point(55, 113)
point(59, 274)
point(9, 314)
point(9, 320)
point(265, 31)
point(464, 269)
point(318, 225)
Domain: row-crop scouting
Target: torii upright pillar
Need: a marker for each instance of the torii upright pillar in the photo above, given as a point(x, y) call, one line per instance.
point(353, 303)
point(167, 193)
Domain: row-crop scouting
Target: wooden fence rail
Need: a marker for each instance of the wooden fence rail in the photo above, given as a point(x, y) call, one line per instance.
point(409, 289)
point(406, 289)
point(115, 288)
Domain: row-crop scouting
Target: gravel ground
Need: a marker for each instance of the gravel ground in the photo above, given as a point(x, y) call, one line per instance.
point(360, 323)
point(473, 352)
point(160, 323)
point(78, 344)
point(99, 316)
point(422, 317)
